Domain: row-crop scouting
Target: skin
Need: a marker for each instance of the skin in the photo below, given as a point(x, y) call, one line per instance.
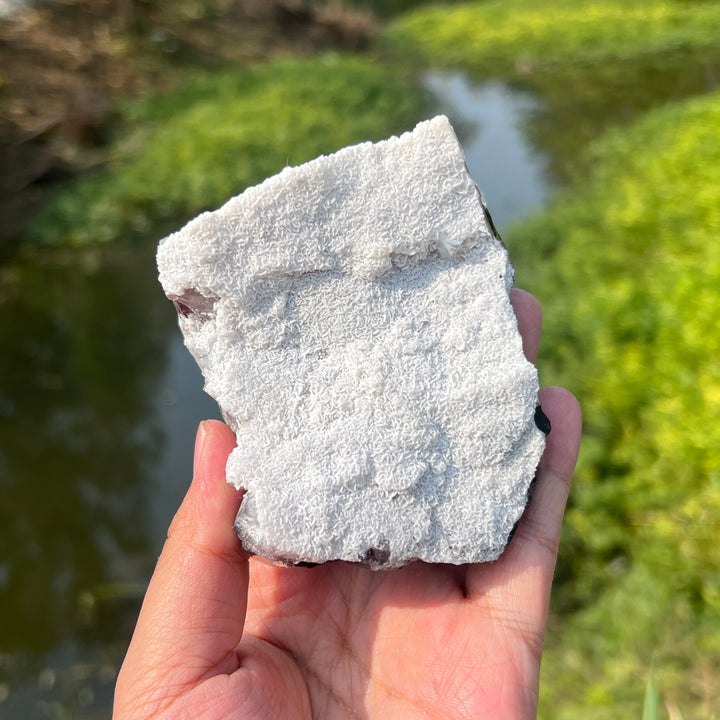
point(222, 635)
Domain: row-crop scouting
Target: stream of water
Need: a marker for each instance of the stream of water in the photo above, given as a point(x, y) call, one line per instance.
point(489, 120)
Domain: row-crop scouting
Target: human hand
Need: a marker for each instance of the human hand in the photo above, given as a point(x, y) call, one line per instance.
point(221, 635)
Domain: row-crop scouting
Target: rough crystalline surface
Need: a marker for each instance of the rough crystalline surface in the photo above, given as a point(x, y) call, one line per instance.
point(351, 317)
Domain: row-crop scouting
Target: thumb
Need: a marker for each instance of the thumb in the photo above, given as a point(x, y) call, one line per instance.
point(194, 610)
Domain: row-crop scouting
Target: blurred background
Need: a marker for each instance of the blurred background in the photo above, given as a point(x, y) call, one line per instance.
point(593, 128)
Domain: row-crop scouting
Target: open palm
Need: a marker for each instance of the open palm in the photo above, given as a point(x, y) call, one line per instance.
point(224, 636)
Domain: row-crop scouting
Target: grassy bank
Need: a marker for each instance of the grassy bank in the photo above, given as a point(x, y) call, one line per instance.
point(594, 63)
point(506, 36)
point(629, 270)
point(196, 147)
point(627, 265)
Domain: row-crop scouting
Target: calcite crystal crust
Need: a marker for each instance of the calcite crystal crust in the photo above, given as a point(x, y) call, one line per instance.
point(351, 317)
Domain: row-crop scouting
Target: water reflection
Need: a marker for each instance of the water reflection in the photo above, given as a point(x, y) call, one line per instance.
point(93, 462)
point(180, 404)
point(489, 119)
point(581, 101)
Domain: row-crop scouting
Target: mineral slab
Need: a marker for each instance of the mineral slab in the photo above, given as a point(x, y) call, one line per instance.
point(351, 316)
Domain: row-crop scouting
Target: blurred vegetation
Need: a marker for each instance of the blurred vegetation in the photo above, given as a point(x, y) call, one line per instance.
point(381, 8)
point(629, 269)
point(499, 35)
point(205, 142)
point(65, 64)
point(627, 265)
point(594, 63)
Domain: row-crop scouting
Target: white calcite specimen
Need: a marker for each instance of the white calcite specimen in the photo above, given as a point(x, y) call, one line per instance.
point(351, 317)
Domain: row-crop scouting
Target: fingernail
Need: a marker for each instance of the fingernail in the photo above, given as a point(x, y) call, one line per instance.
point(199, 446)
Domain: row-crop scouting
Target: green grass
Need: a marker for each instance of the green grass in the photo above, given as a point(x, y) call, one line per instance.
point(193, 149)
point(628, 268)
point(593, 63)
point(501, 35)
point(627, 265)
point(651, 706)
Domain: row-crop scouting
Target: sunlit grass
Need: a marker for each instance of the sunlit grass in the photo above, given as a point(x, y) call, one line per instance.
point(628, 269)
point(503, 35)
point(593, 63)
